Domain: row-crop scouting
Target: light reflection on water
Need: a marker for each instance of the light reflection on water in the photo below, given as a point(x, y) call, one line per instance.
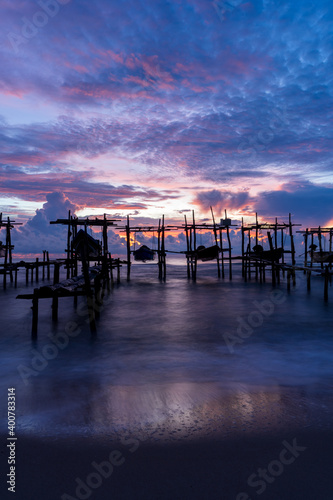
point(160, 366)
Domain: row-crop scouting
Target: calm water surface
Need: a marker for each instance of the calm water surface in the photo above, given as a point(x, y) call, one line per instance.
point(166, 362)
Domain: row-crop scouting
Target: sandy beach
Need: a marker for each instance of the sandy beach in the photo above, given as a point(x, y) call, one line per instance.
point(203, 470)
point(282, 451)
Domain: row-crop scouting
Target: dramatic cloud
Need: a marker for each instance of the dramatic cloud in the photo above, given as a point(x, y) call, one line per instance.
point(221, 200)
point(119, 104)
point(310, 205)
point(38, 234)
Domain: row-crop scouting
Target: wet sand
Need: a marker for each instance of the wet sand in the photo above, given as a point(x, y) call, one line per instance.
point(203, 469)
point(205, 451)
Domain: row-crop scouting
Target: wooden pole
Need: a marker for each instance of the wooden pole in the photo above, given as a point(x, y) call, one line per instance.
point(320, 245)
point(194, 246)
point(44, 262)
point(10, 260)
point(48, 265)
point(222, 253)
point(37, 269)
point(256, 263)
point(188, 249)
point(306, 236)
point(163, 248)
point(105, 266)
point(159, 250)
point(282, 246)
point(248, 252)
point(271, 247)
point(293, 260)
point(68, 265)
point(243, 249)
point(128, 245)
point(229, 249)
point(276, 232)
point(276, 245)
point(215, 236)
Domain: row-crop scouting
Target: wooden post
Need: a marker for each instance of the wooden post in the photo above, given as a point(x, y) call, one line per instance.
point(159, 250)
point(37, 269)
point(320, 245)
point(34, 314)
point(163, 248)
point(222, 253)
point(306, 236)
point(9, 248)
point(26, 274)
point(248, 252)
point(282, 246)
point(256, 264)
point(190, 235)
point(229, 249)
point(105, 268)
point(276, 245)
point(272, 260)
point(243, 249)
point(215, 236)
point(68, 265)
point(194, 247)
point(245, 260)
point(293, 260)
point(55, 299)
point(188, 249)
point(128, 246)
point(43, 273)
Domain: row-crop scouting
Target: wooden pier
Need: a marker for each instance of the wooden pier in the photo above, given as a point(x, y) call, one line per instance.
point(257, 258)
point(94, 279)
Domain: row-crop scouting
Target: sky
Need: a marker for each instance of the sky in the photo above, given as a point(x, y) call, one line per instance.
point(152, 107)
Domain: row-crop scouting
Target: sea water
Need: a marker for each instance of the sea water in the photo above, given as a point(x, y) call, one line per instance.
point(171, 359)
